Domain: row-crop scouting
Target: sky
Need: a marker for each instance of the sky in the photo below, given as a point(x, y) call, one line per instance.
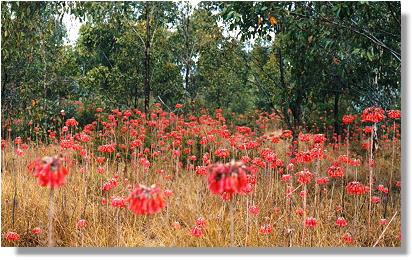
point(73, 25)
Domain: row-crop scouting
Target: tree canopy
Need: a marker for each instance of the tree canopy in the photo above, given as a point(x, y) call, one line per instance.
point(300, 60)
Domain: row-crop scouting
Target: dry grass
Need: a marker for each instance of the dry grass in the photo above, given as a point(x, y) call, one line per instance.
point(80, 198)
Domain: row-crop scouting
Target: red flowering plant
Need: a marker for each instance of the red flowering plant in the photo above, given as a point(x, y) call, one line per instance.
point(356, 188)
point(394, 114)
point(335, 170)
point(227, 180)
point(146, 200)
point(372, 115)
point(49, 172)
point(348, 119)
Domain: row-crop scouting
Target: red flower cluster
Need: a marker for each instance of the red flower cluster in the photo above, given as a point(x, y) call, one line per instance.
point(323, 180)
point(266, 229)
point(347, 238)
point(319, 138)
point(335, 171)
point(201, 222)
point(49, 171)
point(254, 210)
point(348, 119)
point(12, 236)
point(394, 114)
point(310, 222)
point(304, 176)
point(382, 189)
point(304, 157)
point(286, 177)
point(110, 184)
point(71, 122)
point(341, 222)
point(356, 188)
point(286, 134)
point(368, 129)
point(197, 231)
point(136, 143)
point(146, 200)
point(222, 153)
point(107, 148)
point(376, 200)
point(118, 202)
point(228, 178)
point(201, 170)
point(373, 114)
point(36, 231)
point(81, 224)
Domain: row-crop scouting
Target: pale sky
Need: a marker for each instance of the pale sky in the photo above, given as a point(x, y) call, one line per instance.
point(73, 25)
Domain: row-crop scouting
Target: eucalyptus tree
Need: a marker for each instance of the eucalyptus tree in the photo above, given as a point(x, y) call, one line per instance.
point(345, 51)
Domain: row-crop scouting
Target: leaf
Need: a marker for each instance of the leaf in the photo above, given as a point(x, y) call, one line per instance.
point(336, 61)
point(259, 20)
point(369, 55)
point(273, 21)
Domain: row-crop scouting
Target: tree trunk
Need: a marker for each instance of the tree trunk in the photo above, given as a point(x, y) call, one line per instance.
point(135, 96)
point(283, 84)
point(336, 114)
point(187, 61)
point(147, 61)
point(296, 108)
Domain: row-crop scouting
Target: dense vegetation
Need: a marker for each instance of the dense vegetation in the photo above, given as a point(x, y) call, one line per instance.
point(271, 124)
point(300, 60)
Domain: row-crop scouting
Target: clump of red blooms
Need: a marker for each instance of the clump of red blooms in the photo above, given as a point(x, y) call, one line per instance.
point(36, 231)
point(286, 134)
point(356, 188)
point(118, 202)
point(254, 210)
point(12, 236)
point(110, 184)
point(310, 222)
point(230, 178)
point(201, 222)
point(394, 114)
point(222, 153)
point(71, 122)
point(49, 171)
point(146, 200)
point(335, 170)
point(197, 231)
point(266, 229)
point(341, 222)
point(305, 176)
point(373, 115)
point(348, 119)
point(347, 238)
point(81, 224)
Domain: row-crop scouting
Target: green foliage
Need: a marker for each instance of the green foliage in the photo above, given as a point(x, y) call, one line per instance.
point(296, 59)
point(341, 52)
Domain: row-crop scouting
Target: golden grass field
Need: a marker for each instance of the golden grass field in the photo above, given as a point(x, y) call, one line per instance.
point(81, 198)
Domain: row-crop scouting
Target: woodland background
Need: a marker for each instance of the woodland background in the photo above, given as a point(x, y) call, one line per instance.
point(304, 61)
